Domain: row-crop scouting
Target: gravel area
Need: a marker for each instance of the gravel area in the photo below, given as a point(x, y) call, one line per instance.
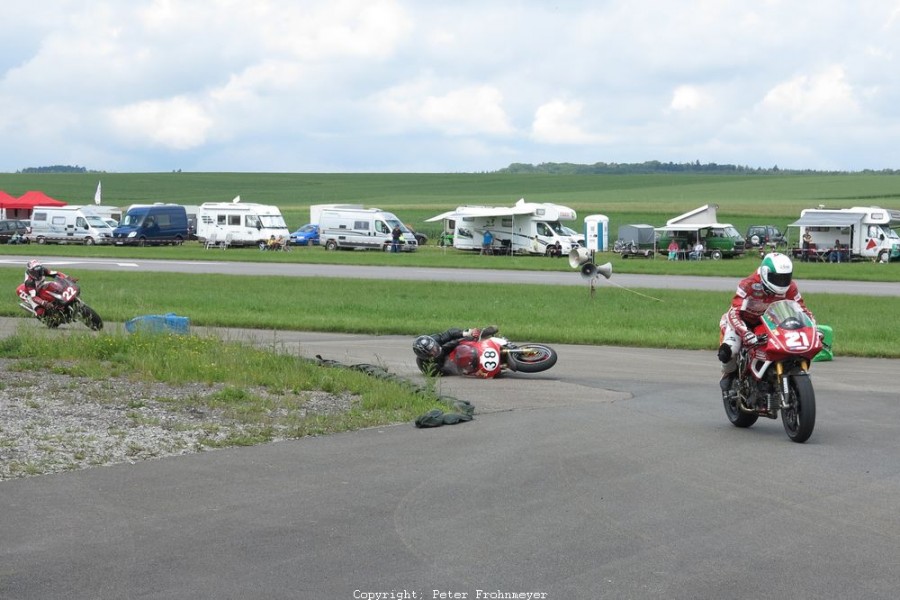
point(51, 423)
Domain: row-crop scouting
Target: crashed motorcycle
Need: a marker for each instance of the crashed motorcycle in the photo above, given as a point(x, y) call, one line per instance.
point(488, 357)
point(773, 375)
point(65, 304)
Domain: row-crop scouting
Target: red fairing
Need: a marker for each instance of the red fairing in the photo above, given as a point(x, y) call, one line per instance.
point(477, 358)
point(787, 335)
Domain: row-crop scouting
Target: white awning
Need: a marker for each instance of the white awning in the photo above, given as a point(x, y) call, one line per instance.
point(481, 211)
point(834, 219)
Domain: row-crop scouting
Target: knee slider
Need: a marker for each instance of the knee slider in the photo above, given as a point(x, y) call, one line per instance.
point(724, 353)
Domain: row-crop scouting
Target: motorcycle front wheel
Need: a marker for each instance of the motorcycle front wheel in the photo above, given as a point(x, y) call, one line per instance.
point(531, 358)
point(799, 418)
point(91, 318)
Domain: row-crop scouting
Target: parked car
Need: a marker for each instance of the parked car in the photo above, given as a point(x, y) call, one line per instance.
point(576, 237)
point(763, 235)
point(421, 238)
point(308, 235)
point(11, 227)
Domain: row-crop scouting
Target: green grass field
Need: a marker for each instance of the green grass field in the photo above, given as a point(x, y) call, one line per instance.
point(614, 316)
point(743, 199)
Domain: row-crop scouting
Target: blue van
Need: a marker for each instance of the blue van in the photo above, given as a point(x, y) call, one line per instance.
point(152, 224)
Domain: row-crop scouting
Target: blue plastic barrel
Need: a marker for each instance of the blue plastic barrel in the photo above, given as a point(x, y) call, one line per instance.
point(167, 323)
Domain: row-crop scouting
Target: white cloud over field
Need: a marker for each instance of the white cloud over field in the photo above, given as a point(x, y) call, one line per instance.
point(413, 86)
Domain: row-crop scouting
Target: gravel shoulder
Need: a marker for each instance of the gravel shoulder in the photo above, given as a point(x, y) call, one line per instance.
point(50, 423)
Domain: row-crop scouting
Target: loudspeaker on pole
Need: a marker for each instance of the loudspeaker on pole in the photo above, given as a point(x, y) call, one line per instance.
point(582, 259)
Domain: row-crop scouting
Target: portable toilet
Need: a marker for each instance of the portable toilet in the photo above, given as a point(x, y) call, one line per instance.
point(596, 232)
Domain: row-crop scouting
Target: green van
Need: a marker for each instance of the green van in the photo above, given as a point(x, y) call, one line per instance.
point(719, 241)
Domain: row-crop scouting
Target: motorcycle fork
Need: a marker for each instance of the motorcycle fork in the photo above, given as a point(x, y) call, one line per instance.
point(784, 382)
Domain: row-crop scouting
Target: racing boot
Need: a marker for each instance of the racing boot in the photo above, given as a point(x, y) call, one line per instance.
point(725, 384)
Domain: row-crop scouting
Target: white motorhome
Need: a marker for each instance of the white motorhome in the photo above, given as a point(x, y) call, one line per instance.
point(866, 231)
point(104, 211)
point(69, 225)
point(315, 211)
point(525, 228)
point(354, 228)
point(239, 224)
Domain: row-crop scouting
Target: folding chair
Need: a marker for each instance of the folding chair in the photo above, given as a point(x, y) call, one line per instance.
point(212, 240)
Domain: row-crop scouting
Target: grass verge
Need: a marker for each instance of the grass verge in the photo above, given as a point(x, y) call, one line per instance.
point(613, 316)
point(266, 391)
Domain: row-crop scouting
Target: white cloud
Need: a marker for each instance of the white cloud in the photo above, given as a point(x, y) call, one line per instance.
point(560, 122)
point(177, 124)
point(824, 95)
point(689, 98)
point(468, 110)
point(343, 85)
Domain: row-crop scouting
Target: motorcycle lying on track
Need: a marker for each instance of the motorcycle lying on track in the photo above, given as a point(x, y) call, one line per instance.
point(488, 357)
point(773, 375)
point(66, 306)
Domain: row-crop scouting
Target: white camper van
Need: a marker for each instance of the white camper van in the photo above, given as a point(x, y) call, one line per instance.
point(239, 224)
point(866, 231)
point(351, 227)
point(525, 228)
point(69, 225)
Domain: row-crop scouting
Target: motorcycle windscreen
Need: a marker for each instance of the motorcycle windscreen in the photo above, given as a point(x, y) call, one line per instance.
point(787, 315)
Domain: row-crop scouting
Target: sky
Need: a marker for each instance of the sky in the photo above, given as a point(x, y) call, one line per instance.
point(427, 86)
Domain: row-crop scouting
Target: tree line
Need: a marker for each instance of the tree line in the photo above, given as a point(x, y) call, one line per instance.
point(56, 169)
point(655, 166)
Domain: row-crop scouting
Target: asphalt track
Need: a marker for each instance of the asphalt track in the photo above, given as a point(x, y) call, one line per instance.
point(614, 475)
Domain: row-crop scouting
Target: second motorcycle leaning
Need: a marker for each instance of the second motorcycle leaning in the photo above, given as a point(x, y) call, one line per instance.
point(773, 376)
point(64, 303)
point(481, 355)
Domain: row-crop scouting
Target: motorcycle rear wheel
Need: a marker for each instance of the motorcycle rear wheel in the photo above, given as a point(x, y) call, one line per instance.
point(738, 417)
point(800, 418)
point(531, 358)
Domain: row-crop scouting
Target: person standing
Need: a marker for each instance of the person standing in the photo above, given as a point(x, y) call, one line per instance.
point(807, 240)
point(487, 242)
point(395, 239)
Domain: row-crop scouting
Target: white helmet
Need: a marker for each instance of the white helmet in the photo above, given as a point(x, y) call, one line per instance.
point(776, 272)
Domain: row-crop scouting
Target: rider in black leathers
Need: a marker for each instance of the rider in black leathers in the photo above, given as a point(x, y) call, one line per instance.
point(432, 350)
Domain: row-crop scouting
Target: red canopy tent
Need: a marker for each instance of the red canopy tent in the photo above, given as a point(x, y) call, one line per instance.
point(21, 207)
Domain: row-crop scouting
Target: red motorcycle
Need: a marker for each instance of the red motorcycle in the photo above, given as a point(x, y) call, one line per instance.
point(491, 356)
point(773, 376)
point(66, 306)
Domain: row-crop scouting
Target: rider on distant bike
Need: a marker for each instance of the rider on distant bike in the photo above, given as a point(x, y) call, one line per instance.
point(35, 272)
point(433, 349)
point(772, 281)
